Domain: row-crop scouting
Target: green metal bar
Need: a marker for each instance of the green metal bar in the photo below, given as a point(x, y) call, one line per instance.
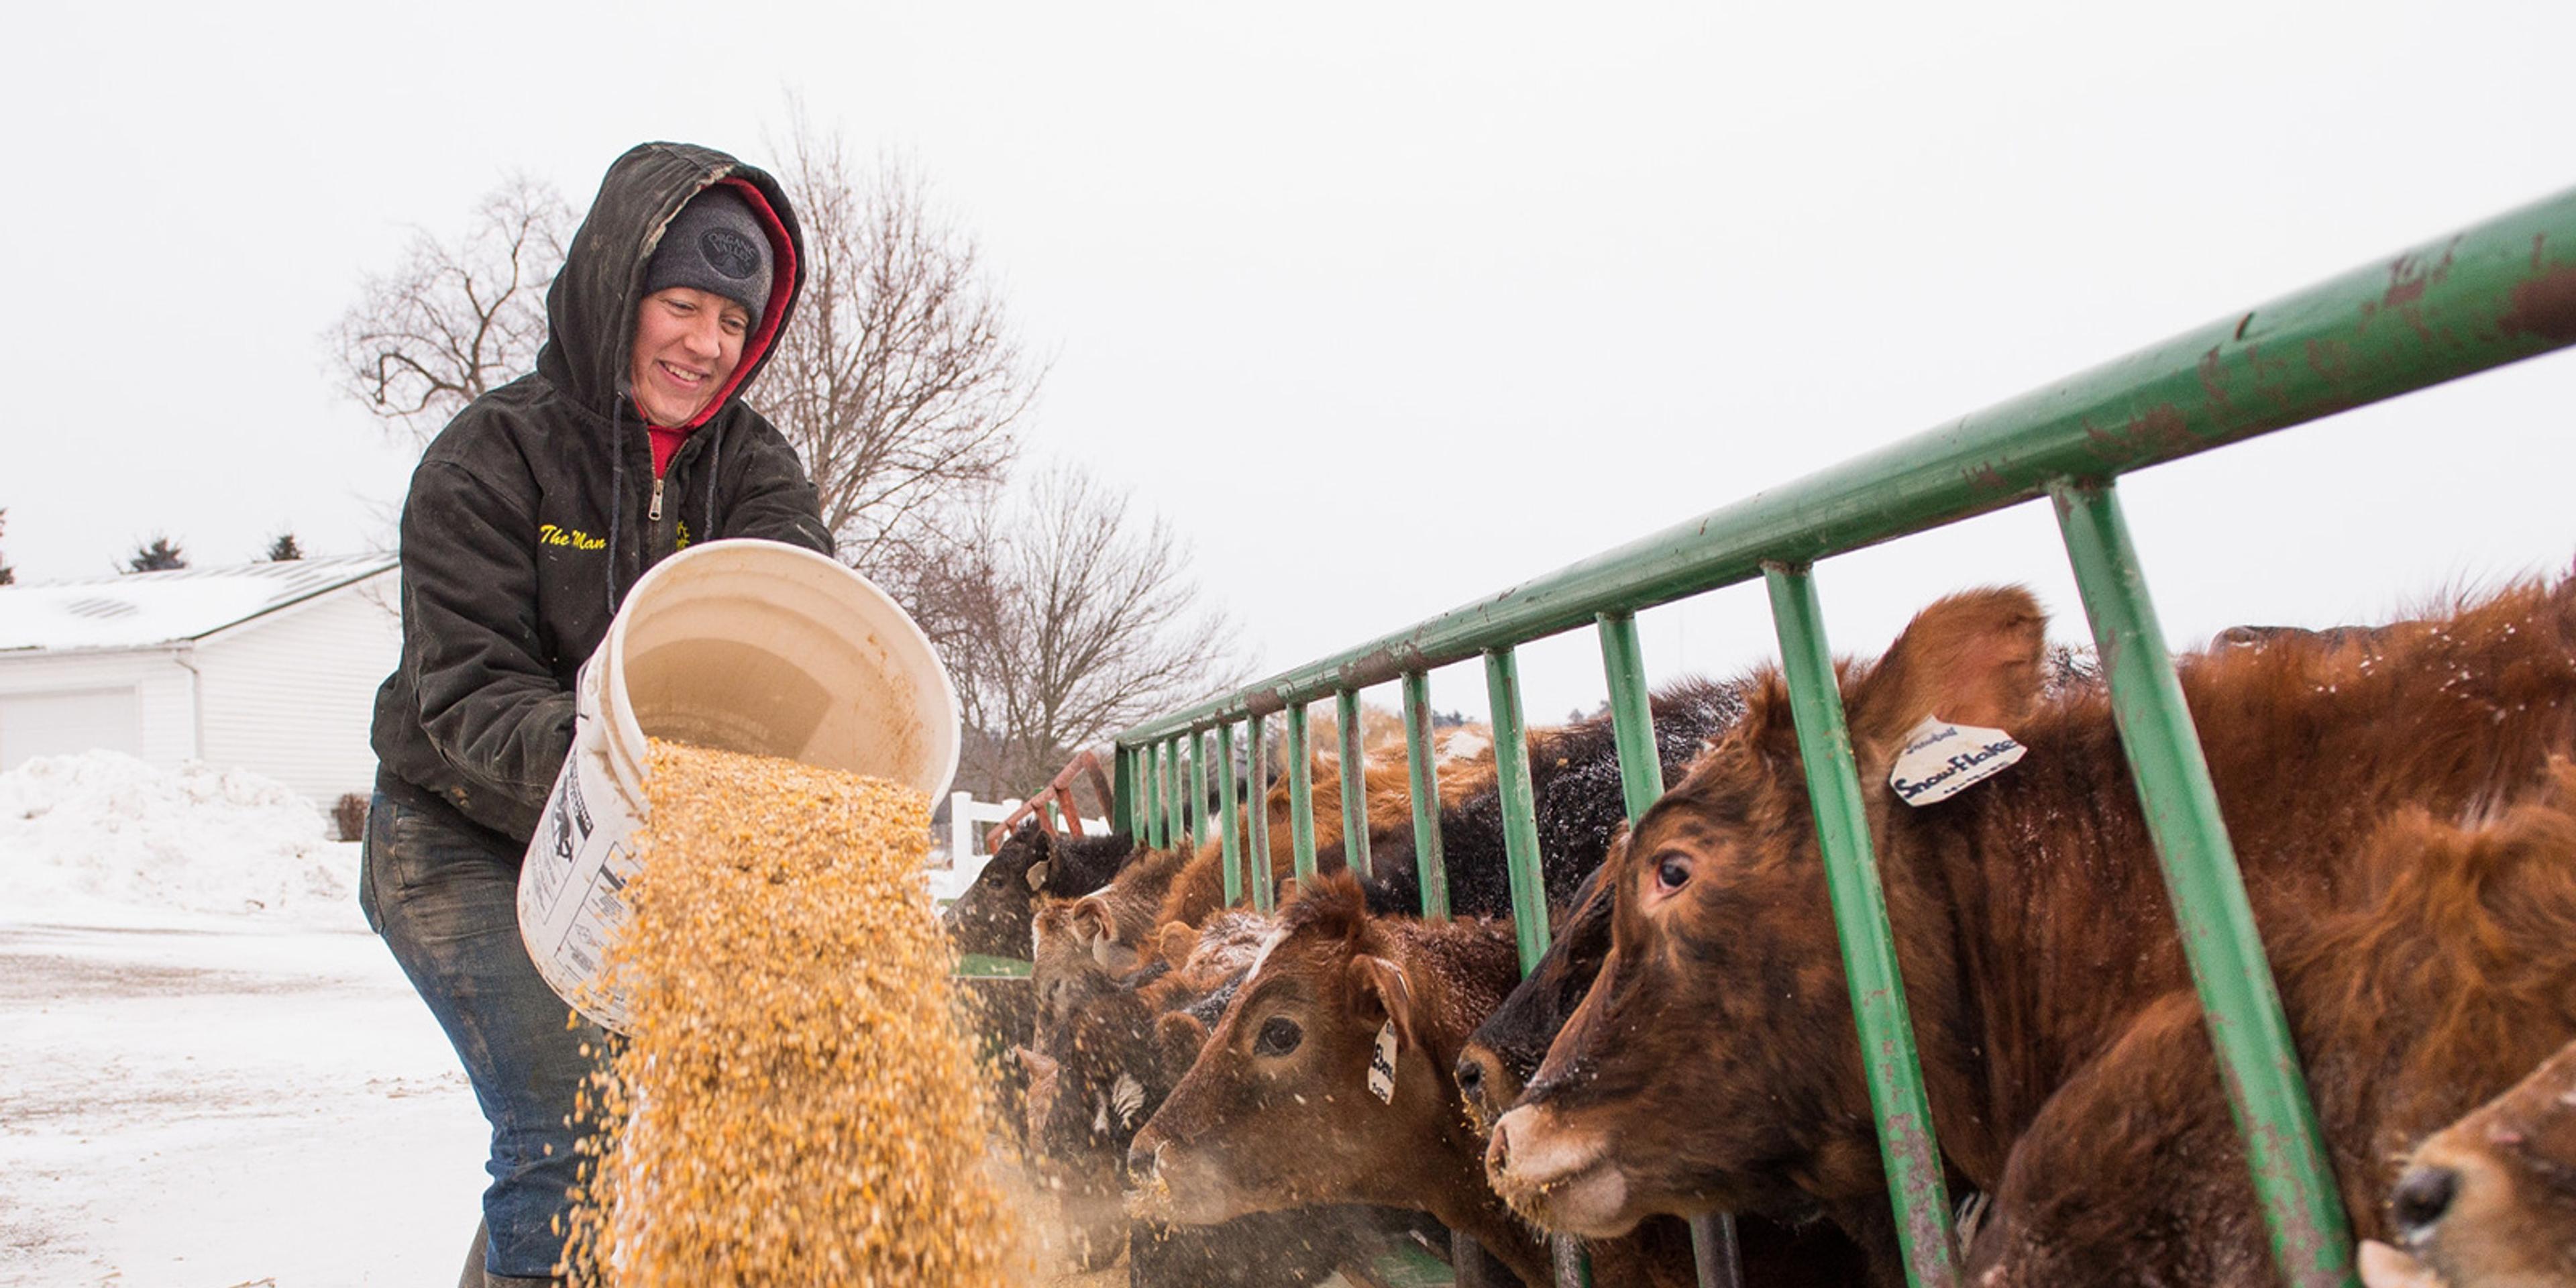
point(1257, 867)
point(2499, 291)
point(1906, 1146)
point(1520, 815)
point(1122, 791)
point(1228, 819)
point(1572, 1265)
point(1153, 765)
point(1355, 826)
point(1301, 795)
point(1428, 863)
point(1171, 794)
point(1632, 720)
point(2311, 1240)
point(1198, 780)
point(1641, 779)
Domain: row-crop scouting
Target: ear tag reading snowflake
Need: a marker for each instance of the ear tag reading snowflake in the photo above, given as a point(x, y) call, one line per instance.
point(1381, 1074)
point(1941, 760)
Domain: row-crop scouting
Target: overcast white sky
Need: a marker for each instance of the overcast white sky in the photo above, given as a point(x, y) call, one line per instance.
point(1385, 306)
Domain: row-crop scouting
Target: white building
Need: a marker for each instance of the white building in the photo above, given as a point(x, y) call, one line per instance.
point(271, 667)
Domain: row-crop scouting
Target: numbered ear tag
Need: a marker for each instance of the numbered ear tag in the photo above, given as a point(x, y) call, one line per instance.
point(1941, 760)
point(1381, 1074)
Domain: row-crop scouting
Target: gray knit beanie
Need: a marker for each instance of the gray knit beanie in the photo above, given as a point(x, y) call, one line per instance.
point(715, 244)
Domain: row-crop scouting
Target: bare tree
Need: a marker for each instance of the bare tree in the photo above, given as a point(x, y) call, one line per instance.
point(1062, 621)
point(161, 554)
point(456, 319)
point(899, 379)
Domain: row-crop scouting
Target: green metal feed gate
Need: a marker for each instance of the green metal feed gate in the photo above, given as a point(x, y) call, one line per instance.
point(2500, 291)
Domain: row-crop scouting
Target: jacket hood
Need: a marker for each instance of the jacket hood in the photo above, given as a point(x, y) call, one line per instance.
point(590, 310)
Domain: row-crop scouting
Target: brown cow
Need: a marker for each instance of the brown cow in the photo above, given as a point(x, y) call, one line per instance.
point(1263, 1120)
point(1713, 1064)
point(1115, 922)
point(2491, 1200)
point(1098, 1067)
point(2440, 974)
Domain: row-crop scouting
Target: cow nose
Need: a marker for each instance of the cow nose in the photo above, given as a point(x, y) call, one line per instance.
point(1498, 1151)
point(2422, 1195)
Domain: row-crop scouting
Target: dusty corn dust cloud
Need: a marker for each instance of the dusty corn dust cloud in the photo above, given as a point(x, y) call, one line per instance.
point(798, 1100)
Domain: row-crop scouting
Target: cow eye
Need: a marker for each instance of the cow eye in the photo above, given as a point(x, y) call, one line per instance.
point(1672, 872)
point(1279, 1036)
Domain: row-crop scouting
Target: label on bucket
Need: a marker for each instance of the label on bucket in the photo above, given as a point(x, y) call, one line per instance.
point(572, 888)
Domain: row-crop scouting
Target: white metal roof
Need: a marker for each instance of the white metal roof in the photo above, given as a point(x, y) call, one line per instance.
point(143, 609)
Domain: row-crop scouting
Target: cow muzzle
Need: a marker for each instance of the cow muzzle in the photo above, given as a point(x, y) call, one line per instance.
point(1561, 1178)
point(1169, 1184)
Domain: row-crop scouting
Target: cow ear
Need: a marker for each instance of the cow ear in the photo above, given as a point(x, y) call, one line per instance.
point(1180, 1035)
point(1971, 659)
point(1037, 875)
point(1174, 943)
point(1379, 994)
point(1092, 920)
point(1040, 1067)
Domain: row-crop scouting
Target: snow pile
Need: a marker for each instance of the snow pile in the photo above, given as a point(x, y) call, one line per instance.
point(103, 828)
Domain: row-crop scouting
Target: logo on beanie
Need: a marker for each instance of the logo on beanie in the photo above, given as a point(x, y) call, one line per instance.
point(731, 253)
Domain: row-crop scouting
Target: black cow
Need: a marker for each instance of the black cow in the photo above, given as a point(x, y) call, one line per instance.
point(1575, 793)
point(994, 916)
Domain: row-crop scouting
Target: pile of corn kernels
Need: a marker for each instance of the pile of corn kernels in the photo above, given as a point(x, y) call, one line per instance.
point(796, 1101)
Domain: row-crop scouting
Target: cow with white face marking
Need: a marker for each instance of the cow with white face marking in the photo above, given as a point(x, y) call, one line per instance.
point(1327, 1080)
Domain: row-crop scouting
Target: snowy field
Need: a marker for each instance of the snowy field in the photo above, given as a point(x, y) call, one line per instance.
point(211, 1074)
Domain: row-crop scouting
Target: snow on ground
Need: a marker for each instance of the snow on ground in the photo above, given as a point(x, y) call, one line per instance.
point(105, 835)
point(213, 1074)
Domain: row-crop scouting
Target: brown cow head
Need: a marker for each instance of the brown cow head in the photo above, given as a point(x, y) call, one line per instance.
point(2491, 1200)
point(1062, 961)
point(1713, 1063)
point(1279, 1110)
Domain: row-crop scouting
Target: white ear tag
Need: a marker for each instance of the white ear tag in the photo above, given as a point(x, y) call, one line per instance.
point(1381, 1074)
point(1941, 760)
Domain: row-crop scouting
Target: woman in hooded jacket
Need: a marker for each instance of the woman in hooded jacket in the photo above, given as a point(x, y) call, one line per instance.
point(528, 518)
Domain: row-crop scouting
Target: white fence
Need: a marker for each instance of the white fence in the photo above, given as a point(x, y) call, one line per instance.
point(968, 820)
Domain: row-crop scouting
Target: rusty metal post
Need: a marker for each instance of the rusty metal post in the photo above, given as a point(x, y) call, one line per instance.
point(1641, 778)
point(1355, 825)
point(2311, 1240)
point(1257, 865)
point(1301, 795)
point(1424, 767)
point(1906, 1145)
point(1228, 821)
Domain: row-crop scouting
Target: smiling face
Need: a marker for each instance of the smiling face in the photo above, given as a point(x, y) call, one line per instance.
point(687, 344)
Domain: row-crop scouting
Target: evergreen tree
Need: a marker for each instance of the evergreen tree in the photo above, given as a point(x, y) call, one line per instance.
point(284, 548)
point(7, 574)
point(161, 555)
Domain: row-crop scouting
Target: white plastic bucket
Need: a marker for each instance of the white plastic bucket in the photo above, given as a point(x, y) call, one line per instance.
point(750, 646)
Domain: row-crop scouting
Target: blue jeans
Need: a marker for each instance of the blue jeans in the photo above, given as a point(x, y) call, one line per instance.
point(444, 894)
